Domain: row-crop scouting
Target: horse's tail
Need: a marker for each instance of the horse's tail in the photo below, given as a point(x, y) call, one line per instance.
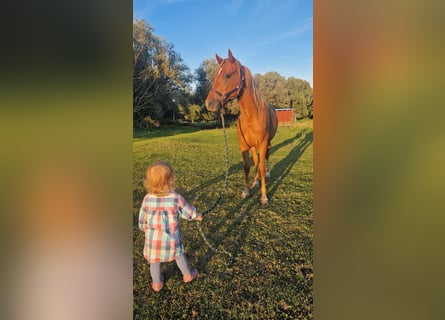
point(272, 121)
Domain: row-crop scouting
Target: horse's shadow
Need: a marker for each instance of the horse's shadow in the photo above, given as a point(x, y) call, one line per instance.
point(282, 168)
point(239, 214)
point(235, 168)
point(274, 148)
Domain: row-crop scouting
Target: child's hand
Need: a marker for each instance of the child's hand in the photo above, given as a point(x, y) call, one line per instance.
point(198, 218)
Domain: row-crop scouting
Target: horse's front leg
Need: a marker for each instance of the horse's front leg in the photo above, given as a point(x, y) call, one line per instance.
point(267, 160)
point(262, 169)
point(246, 173)
point(256, 181)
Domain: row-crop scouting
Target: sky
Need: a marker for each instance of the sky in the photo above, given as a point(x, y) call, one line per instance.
point(264, 35)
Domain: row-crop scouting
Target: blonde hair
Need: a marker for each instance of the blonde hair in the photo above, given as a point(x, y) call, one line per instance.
point(159, 178)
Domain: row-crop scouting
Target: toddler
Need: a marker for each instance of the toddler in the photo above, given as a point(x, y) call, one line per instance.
point(159, 219)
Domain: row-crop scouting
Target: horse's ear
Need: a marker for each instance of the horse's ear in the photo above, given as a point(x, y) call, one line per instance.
point(219, 59)
point(231, 58)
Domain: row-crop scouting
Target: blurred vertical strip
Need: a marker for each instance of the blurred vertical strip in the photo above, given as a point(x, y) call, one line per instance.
point(66, 164)
point(379, 141)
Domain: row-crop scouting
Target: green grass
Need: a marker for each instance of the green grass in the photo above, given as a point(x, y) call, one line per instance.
point(271, 275)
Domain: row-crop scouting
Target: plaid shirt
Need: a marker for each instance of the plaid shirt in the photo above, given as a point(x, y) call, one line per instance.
point(159, 219)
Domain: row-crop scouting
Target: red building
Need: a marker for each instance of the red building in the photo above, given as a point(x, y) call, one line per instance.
point(285, 115)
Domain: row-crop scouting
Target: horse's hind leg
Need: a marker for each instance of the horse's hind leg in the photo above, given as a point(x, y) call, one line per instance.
point(246, 173)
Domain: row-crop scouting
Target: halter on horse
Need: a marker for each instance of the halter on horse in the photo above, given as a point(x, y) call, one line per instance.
point(257, 122)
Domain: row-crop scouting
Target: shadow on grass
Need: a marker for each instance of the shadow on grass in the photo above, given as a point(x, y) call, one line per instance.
point(238, 167)
point(163, 132)
point(167, 131)
point(236, 227)
point(282, 168)
point(240, 214)
point(274, 148)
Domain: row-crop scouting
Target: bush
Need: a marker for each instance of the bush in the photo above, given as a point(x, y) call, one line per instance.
point(148, 123)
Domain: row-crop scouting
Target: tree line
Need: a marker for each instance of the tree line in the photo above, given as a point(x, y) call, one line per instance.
point(166, 91)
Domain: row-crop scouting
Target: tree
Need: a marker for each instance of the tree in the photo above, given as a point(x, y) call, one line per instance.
point(273, 87)
point(300, 96)
point(204, 76)
point(159, 75)
point(194, 112)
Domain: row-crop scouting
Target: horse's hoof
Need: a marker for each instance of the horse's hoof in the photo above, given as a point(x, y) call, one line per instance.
point(245, 195)
point(256, 184)
point(264, 201)
point(267, 174)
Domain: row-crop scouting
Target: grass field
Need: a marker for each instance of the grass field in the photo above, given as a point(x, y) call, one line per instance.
point(271, 275)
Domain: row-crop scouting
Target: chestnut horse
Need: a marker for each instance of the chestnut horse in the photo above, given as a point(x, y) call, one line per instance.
point(257, 121)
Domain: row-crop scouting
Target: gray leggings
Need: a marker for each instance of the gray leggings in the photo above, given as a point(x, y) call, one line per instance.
point(181, 261)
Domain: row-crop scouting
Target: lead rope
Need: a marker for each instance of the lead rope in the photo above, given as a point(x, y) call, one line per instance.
point(218, 200)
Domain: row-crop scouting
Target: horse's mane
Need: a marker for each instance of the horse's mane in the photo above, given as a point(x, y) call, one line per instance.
point(258, 98)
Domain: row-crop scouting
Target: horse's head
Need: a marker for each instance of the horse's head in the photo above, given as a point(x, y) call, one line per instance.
point(227, 84)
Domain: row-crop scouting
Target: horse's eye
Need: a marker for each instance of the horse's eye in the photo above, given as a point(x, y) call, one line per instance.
point(227, 76)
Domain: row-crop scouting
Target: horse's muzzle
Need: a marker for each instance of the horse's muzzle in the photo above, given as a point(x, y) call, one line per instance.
point(213, 104)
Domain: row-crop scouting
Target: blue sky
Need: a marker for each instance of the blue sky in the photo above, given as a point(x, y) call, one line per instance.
point(265, 35)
